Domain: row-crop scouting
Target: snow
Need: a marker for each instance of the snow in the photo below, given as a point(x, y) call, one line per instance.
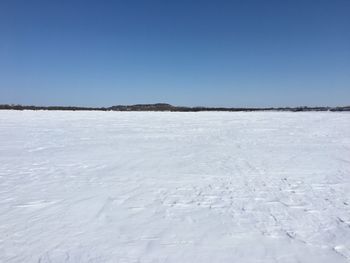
point(174, 187)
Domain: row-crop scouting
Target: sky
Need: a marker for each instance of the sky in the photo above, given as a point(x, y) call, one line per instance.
point(190, 53)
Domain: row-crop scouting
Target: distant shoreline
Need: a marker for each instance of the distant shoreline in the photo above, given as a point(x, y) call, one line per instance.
point(167, 107)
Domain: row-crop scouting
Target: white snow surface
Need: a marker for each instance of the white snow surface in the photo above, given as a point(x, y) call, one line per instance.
point(174, 187)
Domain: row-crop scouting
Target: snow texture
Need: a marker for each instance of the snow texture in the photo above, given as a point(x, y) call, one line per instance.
point(174, 187)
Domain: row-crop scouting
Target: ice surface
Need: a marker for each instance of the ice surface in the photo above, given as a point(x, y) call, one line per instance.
point(174, 187)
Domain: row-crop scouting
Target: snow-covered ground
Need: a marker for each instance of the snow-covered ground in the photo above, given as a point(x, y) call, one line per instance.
point(174, 187)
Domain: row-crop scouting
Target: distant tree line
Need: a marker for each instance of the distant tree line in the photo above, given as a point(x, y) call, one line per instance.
point(32, 107)
point(165, 107)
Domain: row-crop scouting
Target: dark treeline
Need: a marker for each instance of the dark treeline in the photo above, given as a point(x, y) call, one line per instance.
point(31, 107)
point(166, 107)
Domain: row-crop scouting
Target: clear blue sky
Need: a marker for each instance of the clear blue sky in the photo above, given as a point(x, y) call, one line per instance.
point(210, 53)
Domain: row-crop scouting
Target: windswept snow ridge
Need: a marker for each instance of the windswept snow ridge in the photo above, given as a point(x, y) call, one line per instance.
point(174, 187)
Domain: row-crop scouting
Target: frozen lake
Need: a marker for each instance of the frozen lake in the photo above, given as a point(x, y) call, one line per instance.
point(174, 187)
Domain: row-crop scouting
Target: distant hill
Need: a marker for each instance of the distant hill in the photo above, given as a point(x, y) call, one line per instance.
point(166, 107)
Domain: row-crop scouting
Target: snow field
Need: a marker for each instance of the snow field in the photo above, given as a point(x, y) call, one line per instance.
point(174, 187)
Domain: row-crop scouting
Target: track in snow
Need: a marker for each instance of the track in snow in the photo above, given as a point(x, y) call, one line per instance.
point(174, 187)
